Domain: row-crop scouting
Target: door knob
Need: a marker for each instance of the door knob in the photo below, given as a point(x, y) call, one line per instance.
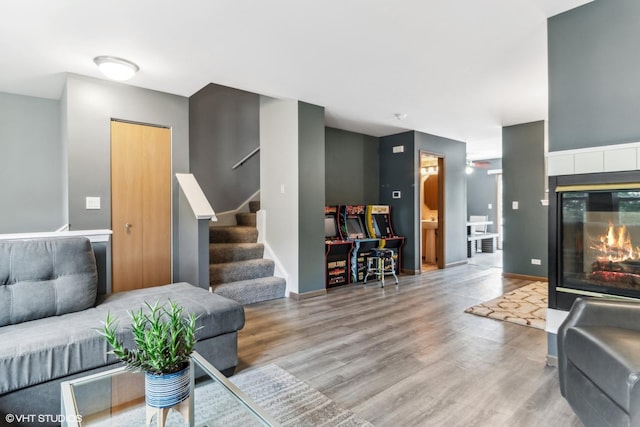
point(127, 226)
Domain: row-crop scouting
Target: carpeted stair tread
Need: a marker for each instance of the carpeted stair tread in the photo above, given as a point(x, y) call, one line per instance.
point(247, 219)
point(233, 234)
point(240, 270)
point(253, 290)
point(231, 252)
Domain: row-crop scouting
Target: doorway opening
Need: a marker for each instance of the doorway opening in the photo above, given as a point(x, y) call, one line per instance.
point(431, 211)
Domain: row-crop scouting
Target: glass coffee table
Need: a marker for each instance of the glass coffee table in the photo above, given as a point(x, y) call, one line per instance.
point(116, 398)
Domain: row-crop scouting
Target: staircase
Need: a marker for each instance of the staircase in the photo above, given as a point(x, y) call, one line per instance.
point(237, 268)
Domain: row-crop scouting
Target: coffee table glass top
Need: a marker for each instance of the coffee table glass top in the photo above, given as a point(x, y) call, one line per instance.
point(116, 398)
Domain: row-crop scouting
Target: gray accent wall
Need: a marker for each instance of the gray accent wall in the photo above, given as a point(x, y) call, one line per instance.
point(401, 172)
point(224, 126)
point(311, 167)
point(594, 64)
point(525, 229)
point(32, 184)
point(351, 168)
point(482, 191)
point(398, 173)
point(90, 106)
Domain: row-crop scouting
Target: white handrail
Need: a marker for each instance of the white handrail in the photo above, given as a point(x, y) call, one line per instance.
point(196, 198)
point(245, 158)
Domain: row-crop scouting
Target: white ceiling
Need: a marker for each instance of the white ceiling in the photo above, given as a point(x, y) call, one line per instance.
point(461, 69)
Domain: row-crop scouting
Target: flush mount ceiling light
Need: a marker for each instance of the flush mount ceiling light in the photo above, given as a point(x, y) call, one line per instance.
point(116, 68)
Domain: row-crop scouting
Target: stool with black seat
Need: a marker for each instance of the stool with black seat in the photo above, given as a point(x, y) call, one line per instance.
point(381, 263)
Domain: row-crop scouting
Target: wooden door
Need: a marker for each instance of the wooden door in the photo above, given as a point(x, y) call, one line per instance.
point(140, 205)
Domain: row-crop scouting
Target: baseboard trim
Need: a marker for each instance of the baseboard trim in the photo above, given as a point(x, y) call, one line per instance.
point(525, 277)
point(305, 295)
point(456, 264)
point(410, 272)
point(552, 361)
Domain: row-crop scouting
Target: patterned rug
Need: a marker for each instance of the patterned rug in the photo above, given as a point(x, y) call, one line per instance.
point(288, 400)
point(293, 402)
point(525, 306)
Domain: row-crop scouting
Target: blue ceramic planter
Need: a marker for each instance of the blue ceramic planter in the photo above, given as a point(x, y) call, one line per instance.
point(165, 391)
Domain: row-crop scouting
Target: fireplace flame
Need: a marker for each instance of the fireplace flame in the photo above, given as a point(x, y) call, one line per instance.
point(615, 245)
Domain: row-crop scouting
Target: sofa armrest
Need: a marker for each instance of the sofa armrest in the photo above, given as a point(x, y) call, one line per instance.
point(595, 312)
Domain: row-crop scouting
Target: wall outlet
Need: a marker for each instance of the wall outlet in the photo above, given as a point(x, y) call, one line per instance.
point(92, 202)
point(536, 261)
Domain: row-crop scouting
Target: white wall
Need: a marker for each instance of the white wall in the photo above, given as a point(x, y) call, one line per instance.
point(279, 169)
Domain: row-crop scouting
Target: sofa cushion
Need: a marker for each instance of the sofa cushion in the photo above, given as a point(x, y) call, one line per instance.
point(608, 357)
point(45, 277)
point(44, 349)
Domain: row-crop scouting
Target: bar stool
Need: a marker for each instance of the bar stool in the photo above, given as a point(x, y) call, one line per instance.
point(380, 263)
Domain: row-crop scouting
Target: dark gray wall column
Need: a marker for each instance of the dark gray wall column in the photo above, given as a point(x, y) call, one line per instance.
point(311, 196)
point(398, 173)
point(351, 168)
point(594, 89)
point(32, 184)
point(224, 126)
point(525, 229)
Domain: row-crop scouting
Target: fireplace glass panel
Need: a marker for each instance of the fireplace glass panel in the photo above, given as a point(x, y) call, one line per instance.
point(600, 239)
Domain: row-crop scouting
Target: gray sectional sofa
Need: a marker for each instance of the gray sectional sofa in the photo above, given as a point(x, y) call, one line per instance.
point(50, 308)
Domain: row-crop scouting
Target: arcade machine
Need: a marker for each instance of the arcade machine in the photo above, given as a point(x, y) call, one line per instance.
point(337, 251)
point(379, 226)
point(352, 226)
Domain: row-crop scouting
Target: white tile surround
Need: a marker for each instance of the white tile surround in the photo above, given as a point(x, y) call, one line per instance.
point(608, 158)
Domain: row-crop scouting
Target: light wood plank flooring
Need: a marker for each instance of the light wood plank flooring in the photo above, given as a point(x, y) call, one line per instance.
point(409, 355)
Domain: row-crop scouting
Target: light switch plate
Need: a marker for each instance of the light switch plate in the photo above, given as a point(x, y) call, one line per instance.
point(514, 205)
point(395, 194)
point(92, 203)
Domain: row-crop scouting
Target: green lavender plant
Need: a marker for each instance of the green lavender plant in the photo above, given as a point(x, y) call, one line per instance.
point(164, 338)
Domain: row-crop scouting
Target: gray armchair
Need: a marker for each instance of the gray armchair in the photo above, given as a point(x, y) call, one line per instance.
point(599, 361)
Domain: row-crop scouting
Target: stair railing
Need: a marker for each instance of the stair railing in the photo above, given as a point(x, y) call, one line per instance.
point(194, 215)
point(245, 158)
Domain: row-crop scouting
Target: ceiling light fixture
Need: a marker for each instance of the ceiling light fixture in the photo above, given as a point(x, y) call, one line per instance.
point(469, 169)
point(116, 68)
point(400, 116)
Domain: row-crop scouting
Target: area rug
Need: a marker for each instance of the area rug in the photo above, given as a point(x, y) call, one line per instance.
point(525, 306)
point(293, 402)
point(288, 400)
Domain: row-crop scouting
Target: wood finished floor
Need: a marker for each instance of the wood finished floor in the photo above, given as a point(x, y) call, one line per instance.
point(409, 355)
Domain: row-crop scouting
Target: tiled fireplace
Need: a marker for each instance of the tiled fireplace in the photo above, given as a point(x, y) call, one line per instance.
point(594, 228)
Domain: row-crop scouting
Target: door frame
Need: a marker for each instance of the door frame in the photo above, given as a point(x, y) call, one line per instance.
point(441, 240)
point(171, 185)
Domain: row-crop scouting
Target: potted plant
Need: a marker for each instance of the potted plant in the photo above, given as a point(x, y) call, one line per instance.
point(164, 340)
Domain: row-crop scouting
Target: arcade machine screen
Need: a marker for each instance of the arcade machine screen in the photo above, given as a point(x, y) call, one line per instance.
point(354, 228)
point(381, 226)
point(330, 228)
